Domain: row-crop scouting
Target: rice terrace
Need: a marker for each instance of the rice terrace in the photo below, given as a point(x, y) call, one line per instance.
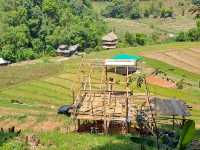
point(187, 59)
point(100, 75)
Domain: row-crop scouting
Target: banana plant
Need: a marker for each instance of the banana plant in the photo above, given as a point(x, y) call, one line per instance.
point(185, 139)
point(187, 135)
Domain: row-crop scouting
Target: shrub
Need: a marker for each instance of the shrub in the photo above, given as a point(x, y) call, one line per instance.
point(193, 34)
point(141, 39)
point(146, 13)
point(165, 12)
point(196, 2)
point(135, 14)
point(130, 39)
point(88, 50)
point(122, 9)
point(182, 36)
point(179, 84)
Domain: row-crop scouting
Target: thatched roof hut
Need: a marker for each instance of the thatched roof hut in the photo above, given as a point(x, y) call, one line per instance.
point(110, 41)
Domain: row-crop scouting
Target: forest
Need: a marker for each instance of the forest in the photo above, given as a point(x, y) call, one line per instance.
point(32, 28)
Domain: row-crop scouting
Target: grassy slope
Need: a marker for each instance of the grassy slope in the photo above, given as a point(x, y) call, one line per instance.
point(43, 90)
point(150, 25)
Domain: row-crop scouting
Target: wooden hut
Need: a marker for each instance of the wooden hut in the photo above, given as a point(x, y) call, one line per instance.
point(110, 41)
point(64, 50)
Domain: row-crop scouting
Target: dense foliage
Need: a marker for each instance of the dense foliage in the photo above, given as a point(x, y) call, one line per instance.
point(31, 28)
point(196, 2)
point(131, 9)
point(122, 9)
point(191, 35)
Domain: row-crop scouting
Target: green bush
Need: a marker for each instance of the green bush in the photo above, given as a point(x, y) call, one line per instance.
point(179, 84)
point(194, 34)
point(141, 39)
point(136, 39)
point(191, 35)
point(166, 12)
point(122, 9)
point(181, 37)
point(146, 13)
point(130, 39)
point(135, 14)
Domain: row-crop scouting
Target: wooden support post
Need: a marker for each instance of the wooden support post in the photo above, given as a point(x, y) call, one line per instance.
point(127, 94)
point(129, 127)
point(136, 65)
point(106, 72)
point(78, 124)
point(173, 122)
point(199, 83)
point(183, 122)
point(73, 95)
point(105, 126)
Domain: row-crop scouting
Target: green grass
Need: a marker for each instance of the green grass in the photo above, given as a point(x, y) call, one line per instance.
point(73, 141)
point(150, 25)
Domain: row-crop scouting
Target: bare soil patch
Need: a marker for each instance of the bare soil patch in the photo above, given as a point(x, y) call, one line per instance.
point(155, 80)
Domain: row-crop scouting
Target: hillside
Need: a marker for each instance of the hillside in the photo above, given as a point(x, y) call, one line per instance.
point(151, 25)
point(30, 95)
point(113, 98)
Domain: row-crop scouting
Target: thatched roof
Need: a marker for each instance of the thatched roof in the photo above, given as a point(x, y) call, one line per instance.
point(170, 107)
point(110, 37)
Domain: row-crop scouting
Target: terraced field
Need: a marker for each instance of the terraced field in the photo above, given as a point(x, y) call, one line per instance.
point(188, 59)
point(30, 95)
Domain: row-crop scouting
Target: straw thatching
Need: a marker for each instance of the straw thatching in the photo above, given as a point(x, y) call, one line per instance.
point(110, 41)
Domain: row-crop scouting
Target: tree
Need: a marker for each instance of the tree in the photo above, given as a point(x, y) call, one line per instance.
point(36, 27)
point(195, 10)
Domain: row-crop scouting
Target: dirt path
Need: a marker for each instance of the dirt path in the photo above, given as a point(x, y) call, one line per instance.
point(31, 62)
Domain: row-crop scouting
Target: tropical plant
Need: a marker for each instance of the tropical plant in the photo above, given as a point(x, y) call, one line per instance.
point(170, 140)
point(187, 134)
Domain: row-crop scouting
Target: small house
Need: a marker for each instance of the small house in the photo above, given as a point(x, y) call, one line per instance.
point(110, 41)
point(67, 51)
point(124, 63)
point(4, 62)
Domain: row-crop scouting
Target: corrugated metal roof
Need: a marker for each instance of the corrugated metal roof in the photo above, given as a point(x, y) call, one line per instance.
point(2, 61)
point(127, 57)
point(113, 62)
point(170, 107)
